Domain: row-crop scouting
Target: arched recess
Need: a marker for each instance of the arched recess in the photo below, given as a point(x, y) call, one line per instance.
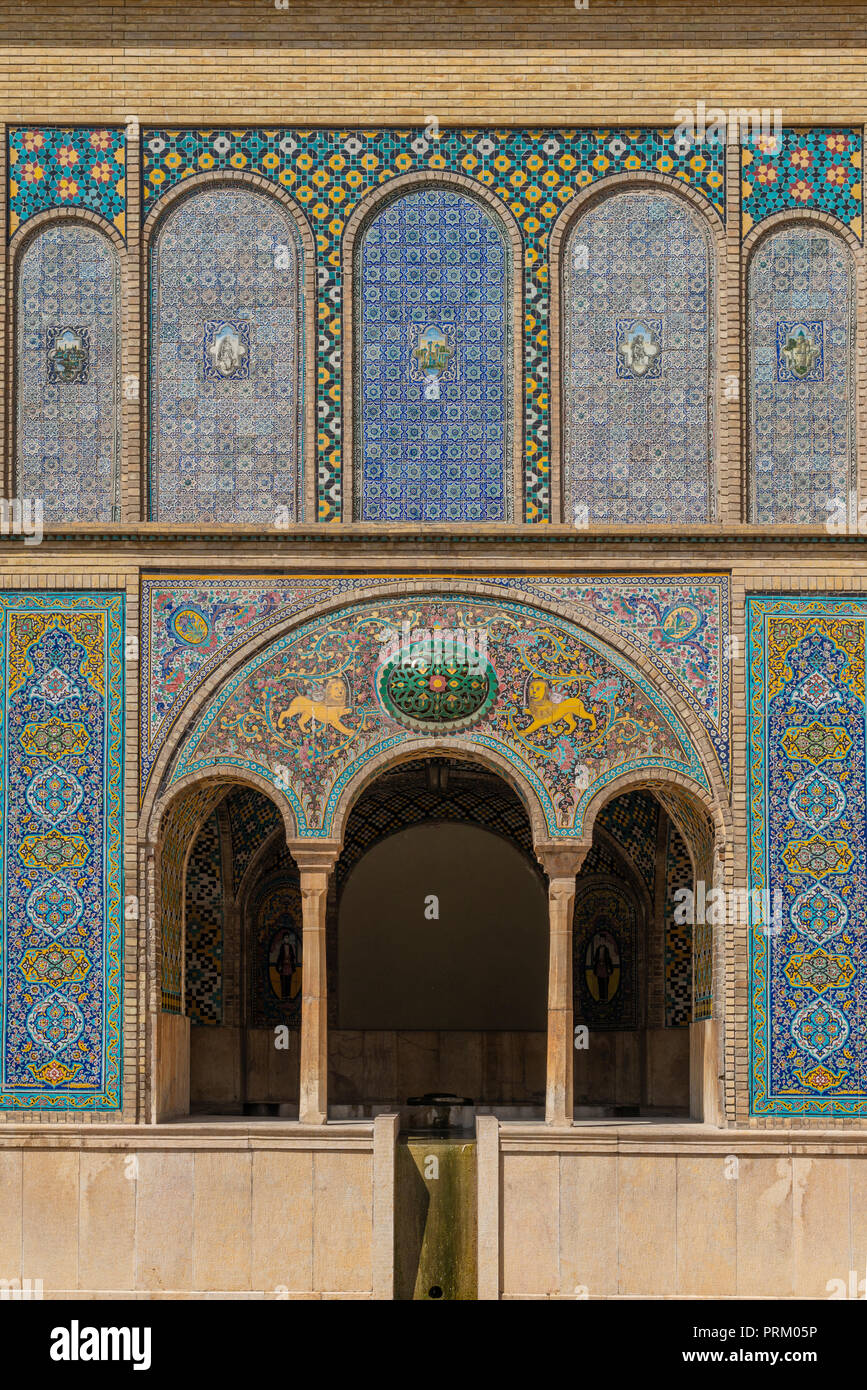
point(703, 832)
point(432, 368)
point(231, 282)
point(635, 321)
point(437, 944)
point(803, 285)
point(175, 826)
point(66, 311)
point(314, 751)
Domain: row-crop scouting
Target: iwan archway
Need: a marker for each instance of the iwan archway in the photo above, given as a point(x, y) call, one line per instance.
point(320, 712)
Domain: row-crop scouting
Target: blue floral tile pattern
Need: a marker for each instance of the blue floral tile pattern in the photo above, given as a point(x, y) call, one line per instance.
point(67, 444)
point(802, 377)
point(226, 364)
point(61, 768)
point(638, 355)
point(535, 172)
point(434, 345)
point(807, 830)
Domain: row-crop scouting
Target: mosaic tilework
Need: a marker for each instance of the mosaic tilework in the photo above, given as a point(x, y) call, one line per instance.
point(632, 820)
point(802, 403)
point(685, 813)
point(203, 923)
point(569, 713)
point(61, 944)
point(68, 373)
point(75, 168)
point(180, 824)
point(252, 818)
point(226, 360)
point(606, 926)
point(638, 355)
point(535, 172)
point(191, 624)
point(678, 936)
point(435, 362)
point(814, 169)
point(276, 956)
point(807, 823)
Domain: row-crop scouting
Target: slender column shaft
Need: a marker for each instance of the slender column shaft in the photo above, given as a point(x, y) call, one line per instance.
point(558, 1088)
point(313, 1106)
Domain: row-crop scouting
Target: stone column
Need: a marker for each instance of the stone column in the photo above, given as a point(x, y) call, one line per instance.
point(561, 864)
point(315, 862)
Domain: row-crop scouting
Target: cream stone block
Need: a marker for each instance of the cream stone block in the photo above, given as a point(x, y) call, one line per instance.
point(50, 1218)
point(342, 1222)
point(282, 1225)
point(764, 1226)
point(531, 1263)
point(588, 1228)
point(221, 1220)
point(646, 1190)
point(858, 1209)
point(164, 1221)
point(10, 1213)
point(820, 1209)
point(706, 1225)
point(107, 1196)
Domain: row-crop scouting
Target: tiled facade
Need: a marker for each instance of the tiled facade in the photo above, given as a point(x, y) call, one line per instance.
point(683, 585)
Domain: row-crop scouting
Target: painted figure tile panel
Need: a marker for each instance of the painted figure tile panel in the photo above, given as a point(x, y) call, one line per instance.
point(62, 825)
point(808, 817)
point(606, 945)
point(814, 169)
point(434, 352)
point(802, 377)
point(226, 361)
point(319, 703)
point(80, 167)
point(277, 954)
point(535, 172)
point(638, 353)
point(67, 374)
point(191, 624)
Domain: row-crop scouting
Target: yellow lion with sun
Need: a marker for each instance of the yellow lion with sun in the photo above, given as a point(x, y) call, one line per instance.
point(545, 711)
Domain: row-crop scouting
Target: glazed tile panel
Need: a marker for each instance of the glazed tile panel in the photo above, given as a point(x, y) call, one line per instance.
point(226, 361)
point(311, 710)
point(802, 377)
point(434, 348)
point(807, 829)
point(67, 371)
point(801, 169)
point(62, 929)
point(534, 172)
point(191, 624)
point(638, 355)
point(80, 168)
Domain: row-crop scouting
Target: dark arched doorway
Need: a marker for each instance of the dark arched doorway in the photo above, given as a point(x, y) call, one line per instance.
point(438, 943)
point(632, 965)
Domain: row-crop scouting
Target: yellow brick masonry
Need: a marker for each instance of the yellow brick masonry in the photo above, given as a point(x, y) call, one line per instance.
point(514, 61)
